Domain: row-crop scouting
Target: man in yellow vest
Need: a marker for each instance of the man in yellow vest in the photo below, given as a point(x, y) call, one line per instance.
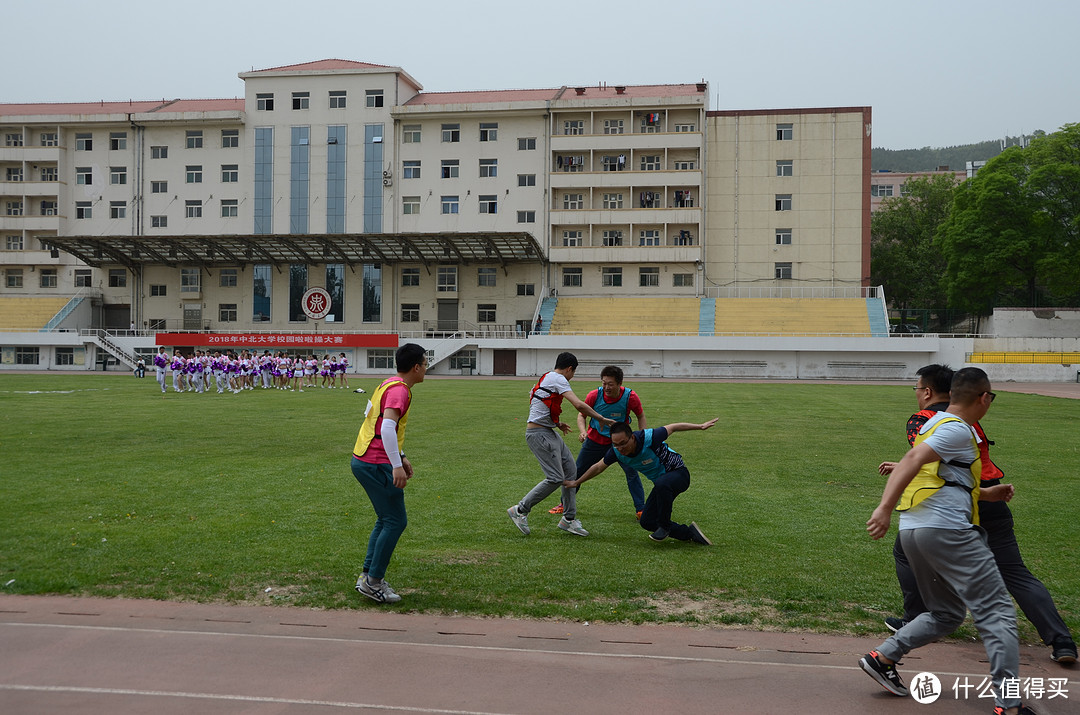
point(936, 485)
point(380, 465)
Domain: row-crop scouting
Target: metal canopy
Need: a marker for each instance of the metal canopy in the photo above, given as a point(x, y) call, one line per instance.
point(282, 249)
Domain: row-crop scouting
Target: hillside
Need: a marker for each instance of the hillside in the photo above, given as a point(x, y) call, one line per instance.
point(930, 158)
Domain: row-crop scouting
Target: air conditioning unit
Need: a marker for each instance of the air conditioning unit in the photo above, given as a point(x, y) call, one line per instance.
point(387, 182)
point(554, 292)
point(386, 174)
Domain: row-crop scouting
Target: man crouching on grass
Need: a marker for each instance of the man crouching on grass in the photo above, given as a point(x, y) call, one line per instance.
point(647, 452)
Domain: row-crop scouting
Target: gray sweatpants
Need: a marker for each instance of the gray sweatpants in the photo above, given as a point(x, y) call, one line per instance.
point(557, 463)
point(956, 572)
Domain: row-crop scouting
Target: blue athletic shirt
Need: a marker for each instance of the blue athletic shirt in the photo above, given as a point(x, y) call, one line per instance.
point(653, 458)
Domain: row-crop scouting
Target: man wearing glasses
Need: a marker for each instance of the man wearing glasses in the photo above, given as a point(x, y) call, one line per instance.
point(936, 489)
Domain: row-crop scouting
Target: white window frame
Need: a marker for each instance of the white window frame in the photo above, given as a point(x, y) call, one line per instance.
point(410, 205)
point(571, 277)
point(572, 237)
point(489, 168)
point(611, 276)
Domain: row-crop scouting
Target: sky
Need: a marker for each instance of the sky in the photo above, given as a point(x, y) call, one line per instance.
point(936, 73)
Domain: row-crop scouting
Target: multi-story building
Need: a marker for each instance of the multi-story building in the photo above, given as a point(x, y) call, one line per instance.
point(885, 184)
point(420, 212)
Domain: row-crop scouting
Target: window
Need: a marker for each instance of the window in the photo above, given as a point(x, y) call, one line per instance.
point(337, 99)
point(13, 242)
point(526, 179)
point(410, 134)
point(159, 152)
point(485, 277)
point(784, 167)
point(489, 204)
point(526, 289)
point(410, 170)
point(571, 277)
point(14, 277)
point(373, 97)
point(117, 141)
point(301, 100)
point(117, 209)
point(159, 221)
point(489, 132)
point(410, 312)
point(612, 238)
point(26, 356)
point(783, 237)
point(84, 142)
point(194, 174)
point(573, 201)
point(613, 201)
point(410, 205)
point(685, 238)
point(84, 209)
point(451, 132)
point(13, 139)
point(15, 208)
point(682, 280)
point(189, 280)
point(117, 174)
point(194, 138)
point(485, 313)
point(685, 128)
point(450, 168)
point(228, 277)
point(784, 132)
point(264, 102)
point(571, 238)
point(526, 143)
point(489, 168)
point(783, 202)
point(226, 312)
point(49, 139)
point(48, 277)
point(685, 165)
point(881, 190)
point(446, 279)
point(230, 138)
point(575, 163)
point(230, 208)
point(410, 277)
point(230, 173)
point(65, 356)
point(117, 278)
point(649, 276)
point(613, 126)
point(450, 204)
point(84, 175)
point(610, 277)
point(649, 237)
point(159, 187)
point(782, 271)
point(574, 127)
point(49, 173)
point(650, 122)
point(193, 209)
point(464, 359)
point(380, 359)
point(526, 217)
point(159, 290)
point(650, 162)
point(82, 278)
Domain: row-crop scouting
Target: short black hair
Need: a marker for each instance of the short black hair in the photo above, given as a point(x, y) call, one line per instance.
point(566, 360)
point(409, 356)
point(614, 372)
point(937, 377)
point(968, 385)
point(621, 428)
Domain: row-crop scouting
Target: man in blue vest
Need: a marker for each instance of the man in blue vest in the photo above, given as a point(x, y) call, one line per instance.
point(647, 452)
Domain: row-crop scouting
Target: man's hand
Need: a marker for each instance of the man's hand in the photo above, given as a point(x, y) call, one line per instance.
point(879, 522)
point(571, 483)
point(581, 437)
point(998, 492)
point(563, 427)
point(407, 466)
point(886, 468)
point(401, 477)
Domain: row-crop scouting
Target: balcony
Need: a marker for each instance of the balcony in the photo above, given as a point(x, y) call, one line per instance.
point(625, 254)
point(625, 216)
point(40, 154)
point(614, 142)
point(614, 179)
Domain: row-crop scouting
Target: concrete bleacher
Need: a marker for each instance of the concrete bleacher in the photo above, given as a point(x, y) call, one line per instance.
point(21, 314)
point(624, 315)
point(1025, 358)
point(792, 316)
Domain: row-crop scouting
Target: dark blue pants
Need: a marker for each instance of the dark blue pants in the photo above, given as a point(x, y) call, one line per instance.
point(592, 452)
point(657, 512)
point(390, 520)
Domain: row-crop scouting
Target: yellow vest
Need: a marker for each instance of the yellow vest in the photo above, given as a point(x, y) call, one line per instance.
point(927, 481)
point(371, 418)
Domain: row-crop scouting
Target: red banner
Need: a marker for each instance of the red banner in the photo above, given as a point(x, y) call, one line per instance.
point(280, 340)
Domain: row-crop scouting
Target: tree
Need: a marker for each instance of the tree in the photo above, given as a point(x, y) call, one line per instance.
point(903, 257)
point(1013, 235)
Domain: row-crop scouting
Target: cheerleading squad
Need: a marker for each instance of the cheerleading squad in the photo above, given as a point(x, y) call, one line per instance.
point(203, 370)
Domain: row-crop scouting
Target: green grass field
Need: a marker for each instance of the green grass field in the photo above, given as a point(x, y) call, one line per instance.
point(110, 490)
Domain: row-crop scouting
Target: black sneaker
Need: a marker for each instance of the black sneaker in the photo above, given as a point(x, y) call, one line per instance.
point(659, 535)
point(1064, 651)
point(894, 624)
point(885, 675)
point(697, 536)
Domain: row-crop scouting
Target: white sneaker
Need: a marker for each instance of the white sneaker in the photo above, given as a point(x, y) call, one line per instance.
point(520, 520)
point(574, 527)
point(381, 593)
